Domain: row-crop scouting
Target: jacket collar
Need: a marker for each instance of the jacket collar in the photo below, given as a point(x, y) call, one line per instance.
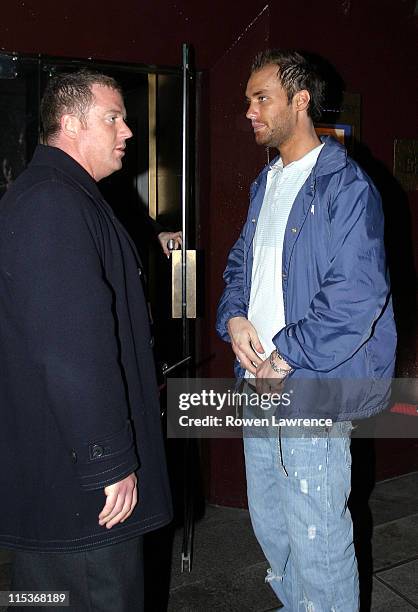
point(332, 158)
point(59, 160)
point(56, 158)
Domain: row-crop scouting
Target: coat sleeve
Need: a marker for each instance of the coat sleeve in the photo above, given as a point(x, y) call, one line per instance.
point(232, 302)
point(354, 290)
point(66, 310)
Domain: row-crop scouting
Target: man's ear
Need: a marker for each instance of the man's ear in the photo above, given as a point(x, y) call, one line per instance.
point(301, 100)
point(70, 126)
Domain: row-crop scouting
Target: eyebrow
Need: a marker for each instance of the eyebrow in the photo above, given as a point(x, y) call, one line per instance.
point(256, 93)
point(114, 111)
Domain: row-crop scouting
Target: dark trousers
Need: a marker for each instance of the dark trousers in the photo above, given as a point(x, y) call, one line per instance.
point(108, 579)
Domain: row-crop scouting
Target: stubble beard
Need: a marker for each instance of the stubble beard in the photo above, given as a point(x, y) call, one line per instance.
point(276, 137)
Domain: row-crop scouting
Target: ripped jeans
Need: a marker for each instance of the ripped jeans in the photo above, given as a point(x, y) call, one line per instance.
point(298, 489)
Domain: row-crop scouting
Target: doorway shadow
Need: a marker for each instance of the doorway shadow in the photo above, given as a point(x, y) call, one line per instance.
point(363, 480)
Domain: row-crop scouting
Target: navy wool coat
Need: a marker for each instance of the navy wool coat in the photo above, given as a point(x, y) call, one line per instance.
point(79, 403)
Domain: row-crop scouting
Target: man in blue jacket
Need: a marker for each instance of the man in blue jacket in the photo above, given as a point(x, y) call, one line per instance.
point(82, 463)
point(307, 297)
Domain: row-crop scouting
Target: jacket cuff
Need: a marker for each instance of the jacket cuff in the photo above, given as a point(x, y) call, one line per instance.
point(282, 342)
point(105, 460)
point(221, 324)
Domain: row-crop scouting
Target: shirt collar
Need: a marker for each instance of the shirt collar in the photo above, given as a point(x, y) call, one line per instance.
point(304, 163)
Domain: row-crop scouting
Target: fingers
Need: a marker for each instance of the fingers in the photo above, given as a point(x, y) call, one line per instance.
point(121, 500)
point(246, 355)
point(116, 509)
point(177, 237)
point(244, 350)
point(246, 361)
point(267, 381)
point(268, 385)
point(262, 386)
point(255, 342)
point(164, 238)
point(245, 343)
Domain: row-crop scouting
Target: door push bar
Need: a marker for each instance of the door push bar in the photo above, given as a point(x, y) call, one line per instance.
point(178, 274)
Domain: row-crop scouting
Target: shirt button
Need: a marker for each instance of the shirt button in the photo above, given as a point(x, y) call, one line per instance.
point(294, 230)
point(97, 451)
point(151, 342)
point(139, 272)
point(252, 220)
point(73, 456)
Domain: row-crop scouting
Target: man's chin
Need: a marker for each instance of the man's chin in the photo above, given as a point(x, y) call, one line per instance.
point(261, 140)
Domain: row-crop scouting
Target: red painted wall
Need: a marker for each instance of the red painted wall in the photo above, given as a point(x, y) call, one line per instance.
point(143, 31)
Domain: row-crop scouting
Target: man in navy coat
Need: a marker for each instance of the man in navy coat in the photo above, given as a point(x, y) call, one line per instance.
point(82, 462)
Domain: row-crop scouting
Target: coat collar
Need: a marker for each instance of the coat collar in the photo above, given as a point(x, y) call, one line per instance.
point(332, 158)
point(56, 158)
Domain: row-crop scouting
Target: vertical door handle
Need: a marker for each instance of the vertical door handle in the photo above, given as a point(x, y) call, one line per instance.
point(177, 275)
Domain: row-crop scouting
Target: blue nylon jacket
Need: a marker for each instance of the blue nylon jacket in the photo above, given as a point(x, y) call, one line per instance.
point(338, 309)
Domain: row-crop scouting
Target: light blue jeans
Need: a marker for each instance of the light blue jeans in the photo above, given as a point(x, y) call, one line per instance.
point(298, 489)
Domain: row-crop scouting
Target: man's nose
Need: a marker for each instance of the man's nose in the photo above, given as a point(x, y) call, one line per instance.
point(251, 112)
point(126, 131)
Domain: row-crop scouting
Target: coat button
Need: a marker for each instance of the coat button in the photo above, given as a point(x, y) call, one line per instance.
point(73, 456)
point(252, 220)
point(97, 451)
point(139, 272)
point(151, 342)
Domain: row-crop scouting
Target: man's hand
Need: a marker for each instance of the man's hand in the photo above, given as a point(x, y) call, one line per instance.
point(164, 237)
point(121, 500)
point(245, 343)
point(269, 381)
